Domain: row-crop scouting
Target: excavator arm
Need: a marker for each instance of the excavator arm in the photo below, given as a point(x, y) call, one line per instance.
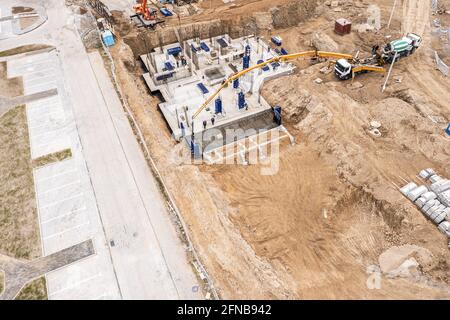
point(282, 58)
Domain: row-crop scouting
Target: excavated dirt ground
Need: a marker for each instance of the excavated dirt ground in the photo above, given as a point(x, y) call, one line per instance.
point(313, 229)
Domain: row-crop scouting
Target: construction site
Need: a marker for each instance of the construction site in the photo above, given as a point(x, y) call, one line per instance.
point(301, 147)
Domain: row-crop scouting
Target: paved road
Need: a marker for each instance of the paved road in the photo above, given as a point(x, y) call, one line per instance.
point(148, 259)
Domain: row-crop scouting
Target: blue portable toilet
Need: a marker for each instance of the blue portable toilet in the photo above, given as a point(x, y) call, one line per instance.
point(218, 105)
point(108, 38)
point(448, 129)
point(277, 115)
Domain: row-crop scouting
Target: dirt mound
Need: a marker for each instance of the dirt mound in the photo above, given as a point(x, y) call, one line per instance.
point(292, 14)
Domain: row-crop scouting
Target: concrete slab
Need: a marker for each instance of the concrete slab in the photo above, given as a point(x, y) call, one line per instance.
point(196, 66)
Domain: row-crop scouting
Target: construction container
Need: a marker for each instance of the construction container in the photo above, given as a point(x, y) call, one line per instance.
point(342, 26)
point(108, 38)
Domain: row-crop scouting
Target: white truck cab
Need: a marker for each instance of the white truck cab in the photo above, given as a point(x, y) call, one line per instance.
point(343, 69)
point(416, 40)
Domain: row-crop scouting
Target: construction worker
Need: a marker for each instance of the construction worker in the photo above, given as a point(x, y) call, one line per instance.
point(204, 124)
point(212, 120)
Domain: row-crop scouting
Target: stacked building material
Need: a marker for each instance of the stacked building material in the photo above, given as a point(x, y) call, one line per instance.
point(433, 201)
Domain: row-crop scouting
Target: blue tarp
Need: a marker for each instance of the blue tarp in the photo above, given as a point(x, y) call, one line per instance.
point(202, 87)
point(193, 48)
point(284, 51)
point(166, 12)
point(204, 46)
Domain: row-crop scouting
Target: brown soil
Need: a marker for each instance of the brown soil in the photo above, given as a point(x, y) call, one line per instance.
point(312, 229)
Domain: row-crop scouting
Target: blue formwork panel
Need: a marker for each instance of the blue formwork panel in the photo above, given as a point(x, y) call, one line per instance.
point(164, 76)
point(283, 51)
point(202, 87)
point(166, 12)
point(277, 40)
point(241, 100)
point(218, 105)
point(204, 46)
point(248, 50)
point(174, 51)
point(275, 65)
point(265, 68)
point(236, 83)
point(169, 66)
point(222, 42)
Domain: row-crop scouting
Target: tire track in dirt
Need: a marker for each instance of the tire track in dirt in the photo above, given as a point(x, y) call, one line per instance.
point(416, 18)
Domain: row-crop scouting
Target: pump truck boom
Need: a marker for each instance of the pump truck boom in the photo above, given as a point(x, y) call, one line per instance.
point(345, 70)
point(282, 58)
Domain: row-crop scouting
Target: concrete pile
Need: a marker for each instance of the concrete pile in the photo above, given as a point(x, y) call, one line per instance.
point(432, 200)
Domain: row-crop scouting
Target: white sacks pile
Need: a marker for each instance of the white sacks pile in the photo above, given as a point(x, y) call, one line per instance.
point(434, 202)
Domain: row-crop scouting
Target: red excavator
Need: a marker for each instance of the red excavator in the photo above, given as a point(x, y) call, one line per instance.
point(143, 9)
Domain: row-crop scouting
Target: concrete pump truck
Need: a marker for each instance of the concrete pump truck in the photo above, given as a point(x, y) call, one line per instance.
point(345, 69)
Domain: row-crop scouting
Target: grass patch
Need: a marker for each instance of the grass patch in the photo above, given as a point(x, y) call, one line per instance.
point(9, 88)
point(35, 290)
point(19, 228)
point(23, 49)
point(53, 157)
